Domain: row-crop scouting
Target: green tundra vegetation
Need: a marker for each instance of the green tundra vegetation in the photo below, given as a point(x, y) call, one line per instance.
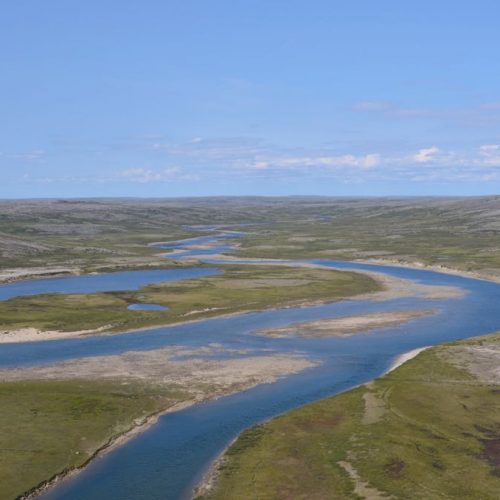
point(59, 425)
point(459, 234)
point(428, 430)
point(90, 235)
point(240, 288)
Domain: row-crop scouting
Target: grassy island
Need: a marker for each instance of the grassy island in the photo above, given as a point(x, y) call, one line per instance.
point(239, 289)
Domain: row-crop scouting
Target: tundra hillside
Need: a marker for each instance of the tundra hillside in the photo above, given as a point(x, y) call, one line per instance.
point(98, 234)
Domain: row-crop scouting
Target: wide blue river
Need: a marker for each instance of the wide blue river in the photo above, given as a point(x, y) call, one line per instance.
point(166, 461)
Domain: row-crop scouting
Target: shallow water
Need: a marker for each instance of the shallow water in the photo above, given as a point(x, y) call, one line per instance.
point(166, 461)
point(146, 307)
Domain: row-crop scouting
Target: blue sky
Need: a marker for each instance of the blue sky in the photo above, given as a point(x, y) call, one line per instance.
point(264, 97)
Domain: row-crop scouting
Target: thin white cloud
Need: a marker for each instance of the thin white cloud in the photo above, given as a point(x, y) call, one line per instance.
point(426, 155)
point(490, 155)
point(252, 158)
point(255, 158)
point(347, 160)
point(144, 175)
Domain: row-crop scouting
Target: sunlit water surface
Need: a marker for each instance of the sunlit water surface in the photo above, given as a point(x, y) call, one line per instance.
point(166, 461)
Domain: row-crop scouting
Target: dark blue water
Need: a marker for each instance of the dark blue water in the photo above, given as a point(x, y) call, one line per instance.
point(166, 461)
point(106, 282)
point(146, 307)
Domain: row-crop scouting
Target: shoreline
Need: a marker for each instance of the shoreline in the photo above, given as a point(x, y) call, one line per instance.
point(419, 266)
point(392, 288)
point(113, 443)
point(139, 426)
point(401, 359)
point(211, 472)
point(209, 475)
point(86, 333)
point(18, 275)
point(382, 262)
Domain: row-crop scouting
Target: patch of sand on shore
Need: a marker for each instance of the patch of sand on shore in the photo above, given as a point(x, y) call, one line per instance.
point(200, 371)
point(395, 288)
point(345, 325)
point(35, 335)
point(403, 358)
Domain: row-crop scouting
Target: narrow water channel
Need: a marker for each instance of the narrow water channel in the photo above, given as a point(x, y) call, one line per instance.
point(166, 461)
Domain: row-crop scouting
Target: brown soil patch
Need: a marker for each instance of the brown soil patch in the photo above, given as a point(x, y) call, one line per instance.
point(491, 453)
point(395, 468)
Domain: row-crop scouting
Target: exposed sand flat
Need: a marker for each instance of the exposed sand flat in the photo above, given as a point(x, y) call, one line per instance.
point(399, 287)
point(195, 369)
point(346, 325)
point(35, 335)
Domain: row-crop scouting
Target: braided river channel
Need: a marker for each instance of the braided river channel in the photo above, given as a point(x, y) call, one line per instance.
point(167, 460)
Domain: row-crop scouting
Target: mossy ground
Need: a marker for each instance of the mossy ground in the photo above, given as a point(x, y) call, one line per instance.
point(461, 233)
point(233, 291)
point(436, 437)
point(47, 427)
